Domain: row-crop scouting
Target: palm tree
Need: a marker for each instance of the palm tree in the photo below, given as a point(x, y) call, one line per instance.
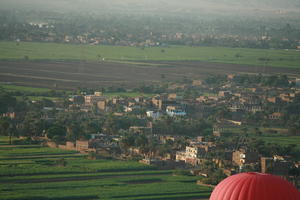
point(4, 124)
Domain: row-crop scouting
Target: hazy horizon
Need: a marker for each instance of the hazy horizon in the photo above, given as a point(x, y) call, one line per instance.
point(253, 7)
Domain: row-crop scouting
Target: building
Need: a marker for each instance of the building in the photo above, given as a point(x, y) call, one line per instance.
point(101, 105)
point(274, 100)
point(140, 129)
point(197, 83)
point(224, 94)
point(82, 145)
point(153, 114)
point(194, 151)
point(174, 111)
point(207, 99)
point(275, 165)
point(230, 76)
point(180, 156)
point(242, 157)
point(286, 97)
point(139, 99)
point(298, 81)
point(93, 99)
point(276, 116)
point(131, 108)
point(157, 101)
point(76, 99)
point(172, 96)
point(251, 99)
point(161, 102)
point(166, 138)
point(70, 146)
point(10, 115)
point(237, 106)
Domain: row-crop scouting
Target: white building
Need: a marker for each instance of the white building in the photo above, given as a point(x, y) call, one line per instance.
point(298, 82)
point(153, 114)
point(175, 111)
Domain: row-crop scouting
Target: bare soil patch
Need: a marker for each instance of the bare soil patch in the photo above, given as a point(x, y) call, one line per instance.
point(72, 75)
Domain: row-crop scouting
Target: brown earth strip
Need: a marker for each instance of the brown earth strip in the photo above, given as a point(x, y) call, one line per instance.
point(71, 75)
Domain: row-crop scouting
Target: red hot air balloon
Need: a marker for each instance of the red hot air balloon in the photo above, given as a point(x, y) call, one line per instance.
point(254, 186)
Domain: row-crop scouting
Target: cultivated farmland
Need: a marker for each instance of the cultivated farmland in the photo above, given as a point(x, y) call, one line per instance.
point(35, 172)
point(67, 52)
point(71, 75)
point(64, 66)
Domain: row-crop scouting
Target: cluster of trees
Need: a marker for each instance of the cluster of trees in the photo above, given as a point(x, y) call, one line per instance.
point(151, 89)
point(150, 145)
point(269, 149)
point(271, 81)
point(183, 127)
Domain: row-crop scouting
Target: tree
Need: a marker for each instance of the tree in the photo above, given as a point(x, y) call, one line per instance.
point(4, 125)
point(295, 172)
point(6, 102)
point(257, 131)
point(128, 140)
point(73, 131)
point(32, 124)
point(141, 141)
point(57, 133)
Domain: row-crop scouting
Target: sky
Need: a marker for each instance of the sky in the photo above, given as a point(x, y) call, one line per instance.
point(156, 5)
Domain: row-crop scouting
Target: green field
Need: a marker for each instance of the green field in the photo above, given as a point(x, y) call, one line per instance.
point(283, 140)
point(40, 93)
point(30, 90)
point(32, 172)
point(68, 52)
point(127, 94)
point(15, 88)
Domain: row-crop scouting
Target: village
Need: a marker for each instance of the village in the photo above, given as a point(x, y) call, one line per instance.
point(149, 100)
point(212, 128)
point(150, 37)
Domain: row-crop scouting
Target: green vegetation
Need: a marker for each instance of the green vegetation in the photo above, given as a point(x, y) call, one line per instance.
point(127, 94)
point(283, 140)
point(52, 51)
point(280, 138)
point(34, 172)
point(39, 98)
point(14, 88)
point(32, 93)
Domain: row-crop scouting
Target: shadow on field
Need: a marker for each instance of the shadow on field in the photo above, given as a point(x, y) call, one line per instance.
point(166, 194)
point(90, 197)
point(42, 154)
point(64, 187)
point(143, 181)
point(187, 181)
point(39, 157)
point(5, 146)
point(43, 173)
point(82, 178)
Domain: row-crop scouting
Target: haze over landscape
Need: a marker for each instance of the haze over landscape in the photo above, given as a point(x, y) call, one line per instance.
point(140, 99)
